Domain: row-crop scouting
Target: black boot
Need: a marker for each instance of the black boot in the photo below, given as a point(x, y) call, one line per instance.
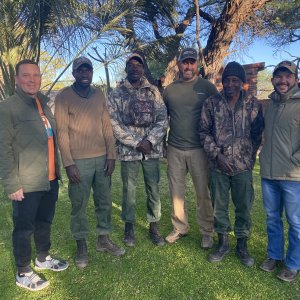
point(242, 252)
point(154, 234)
point(81, 259)
point(222, 250)
point(129, 239)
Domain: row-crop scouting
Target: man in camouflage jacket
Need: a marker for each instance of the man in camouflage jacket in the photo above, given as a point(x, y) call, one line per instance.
point(139, 120)
point(231, 132)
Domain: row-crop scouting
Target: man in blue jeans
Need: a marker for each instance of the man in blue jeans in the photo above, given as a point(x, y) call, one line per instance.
point(280, 171)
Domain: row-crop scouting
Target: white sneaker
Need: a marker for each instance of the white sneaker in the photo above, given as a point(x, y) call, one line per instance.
point(51, 264)
point(31, 281)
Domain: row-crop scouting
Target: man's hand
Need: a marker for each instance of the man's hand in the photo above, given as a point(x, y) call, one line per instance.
point(109, 167)
point(144, 146)
point(224, 164)
point(17, 196)
point(73, 174)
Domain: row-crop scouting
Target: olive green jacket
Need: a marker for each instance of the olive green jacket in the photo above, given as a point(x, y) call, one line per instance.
point(24, 144)
point(280, 155)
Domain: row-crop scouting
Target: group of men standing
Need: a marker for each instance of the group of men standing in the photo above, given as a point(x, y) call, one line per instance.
point(213, 136)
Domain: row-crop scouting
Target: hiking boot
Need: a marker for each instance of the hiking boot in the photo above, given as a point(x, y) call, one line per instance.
point(242, 252)
point(81, 259)
point(207, 242)
point(174, 236)
point(129, 239)
point(154, 234)
point(51, 264)
point(287, 275)
point(31, 281)
point(104, 244)
point(222, 250)
point(269, 265)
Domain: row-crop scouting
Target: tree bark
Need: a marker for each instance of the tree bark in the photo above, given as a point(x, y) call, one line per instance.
point(234, 14)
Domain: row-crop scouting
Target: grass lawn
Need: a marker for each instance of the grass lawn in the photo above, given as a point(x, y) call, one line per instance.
point(179, 271)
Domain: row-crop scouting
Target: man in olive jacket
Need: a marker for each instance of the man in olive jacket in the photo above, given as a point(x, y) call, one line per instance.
point(280, 171)
point(29, 172)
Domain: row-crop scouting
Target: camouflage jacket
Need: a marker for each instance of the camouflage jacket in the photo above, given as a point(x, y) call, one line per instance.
point(129, 135)
point(235, 133)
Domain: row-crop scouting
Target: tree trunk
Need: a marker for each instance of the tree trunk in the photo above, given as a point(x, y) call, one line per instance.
point(234, 14)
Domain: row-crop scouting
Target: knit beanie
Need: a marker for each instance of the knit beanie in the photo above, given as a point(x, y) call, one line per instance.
point(234, 69)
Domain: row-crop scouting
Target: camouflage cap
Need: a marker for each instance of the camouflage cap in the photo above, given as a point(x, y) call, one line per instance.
point(79, 61)
point(289, 65)
point(136, 56)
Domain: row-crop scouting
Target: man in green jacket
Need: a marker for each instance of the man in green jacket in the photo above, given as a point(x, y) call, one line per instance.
point(280, 171)
point(29, 172)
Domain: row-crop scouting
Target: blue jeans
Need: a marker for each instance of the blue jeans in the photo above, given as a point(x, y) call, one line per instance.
point(279, 195)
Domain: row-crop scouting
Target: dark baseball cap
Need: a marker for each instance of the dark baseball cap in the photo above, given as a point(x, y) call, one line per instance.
point(79, 61)
point(188, 53)
point(289, 65)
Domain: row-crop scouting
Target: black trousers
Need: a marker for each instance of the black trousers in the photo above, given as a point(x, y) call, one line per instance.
point(33, 216)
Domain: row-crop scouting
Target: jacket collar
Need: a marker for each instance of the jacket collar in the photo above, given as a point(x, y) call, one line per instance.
point(292, 93)
point(28, 99)
point(144, 83)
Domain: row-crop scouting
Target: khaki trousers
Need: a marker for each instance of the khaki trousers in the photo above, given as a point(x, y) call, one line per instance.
point(194, 161)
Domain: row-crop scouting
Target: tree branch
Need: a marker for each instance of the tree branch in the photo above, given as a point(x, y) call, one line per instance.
point(155, 30)
point(180, 28)
point(207, 17)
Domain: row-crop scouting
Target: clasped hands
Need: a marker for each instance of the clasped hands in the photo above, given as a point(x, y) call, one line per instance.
point(144, 146)
point(74, 174)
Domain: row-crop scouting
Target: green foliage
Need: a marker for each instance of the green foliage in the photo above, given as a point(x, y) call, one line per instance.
point(282, 20)
point(180, 271)
point(264, 85)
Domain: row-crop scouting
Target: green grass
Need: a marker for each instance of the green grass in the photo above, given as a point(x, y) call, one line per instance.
point(179, 271)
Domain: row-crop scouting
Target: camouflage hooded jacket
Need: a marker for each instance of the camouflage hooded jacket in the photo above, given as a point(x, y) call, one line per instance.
point(129, 135)
point(235, 133)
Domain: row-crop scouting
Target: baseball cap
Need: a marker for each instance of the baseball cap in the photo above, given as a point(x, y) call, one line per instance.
point(187, 53)
point(79, 61)
point(286, 65)
point(135, 55)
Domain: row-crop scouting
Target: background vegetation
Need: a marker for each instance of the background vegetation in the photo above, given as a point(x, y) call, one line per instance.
point(158, 29)
point(179, 271)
